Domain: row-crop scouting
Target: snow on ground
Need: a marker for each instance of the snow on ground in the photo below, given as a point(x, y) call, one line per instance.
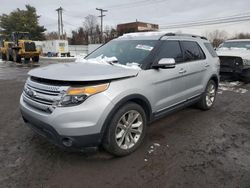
point(231, 86)
point(151, 149)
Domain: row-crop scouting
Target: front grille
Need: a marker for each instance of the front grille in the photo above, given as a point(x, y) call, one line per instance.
point(42, 97)
point(30, 46)
point(231, 64)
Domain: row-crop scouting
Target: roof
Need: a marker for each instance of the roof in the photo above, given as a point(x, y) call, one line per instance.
point(156, 35)
point(238, 40)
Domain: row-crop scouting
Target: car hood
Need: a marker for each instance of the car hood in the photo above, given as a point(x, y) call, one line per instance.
point(244, 54)
point(79, 71)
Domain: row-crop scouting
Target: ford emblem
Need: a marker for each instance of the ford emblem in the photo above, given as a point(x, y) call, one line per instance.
point(31, 93)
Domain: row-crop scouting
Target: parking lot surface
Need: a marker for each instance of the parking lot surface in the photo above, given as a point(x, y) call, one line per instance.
point(190, 148)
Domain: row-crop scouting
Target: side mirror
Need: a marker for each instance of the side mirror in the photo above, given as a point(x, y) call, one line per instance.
point(165, 63)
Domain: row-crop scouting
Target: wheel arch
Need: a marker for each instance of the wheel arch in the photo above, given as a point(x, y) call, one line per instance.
point(215, 78)
point(136, 98)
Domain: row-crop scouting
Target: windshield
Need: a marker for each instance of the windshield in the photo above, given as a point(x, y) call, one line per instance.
point(125, 51)
point(237, 44)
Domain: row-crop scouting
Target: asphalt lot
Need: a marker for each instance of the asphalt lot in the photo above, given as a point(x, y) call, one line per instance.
point(190, 148)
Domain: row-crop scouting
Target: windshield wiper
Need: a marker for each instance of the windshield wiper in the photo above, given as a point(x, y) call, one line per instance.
point(112, 62)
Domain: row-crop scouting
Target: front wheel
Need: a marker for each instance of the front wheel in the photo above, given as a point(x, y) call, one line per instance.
point(208, 97)
point(246, 80)
point(126, 131)
point(16, 57)
point(4, 56)
point(35, 59)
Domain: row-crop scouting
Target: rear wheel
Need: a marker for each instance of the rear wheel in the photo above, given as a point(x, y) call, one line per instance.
point(208, 98)
point(4, 56)
point(26, 60)
point(16, 57)
point(35, 59)
point(126, 131)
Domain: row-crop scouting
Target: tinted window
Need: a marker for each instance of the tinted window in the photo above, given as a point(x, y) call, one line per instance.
point(192, 51)
point(210, 49)
point(170, 49)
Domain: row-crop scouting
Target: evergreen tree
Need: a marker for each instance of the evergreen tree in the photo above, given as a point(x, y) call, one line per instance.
point(23, 21)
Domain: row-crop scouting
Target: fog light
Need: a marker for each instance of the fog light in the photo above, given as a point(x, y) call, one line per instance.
point(67, 142)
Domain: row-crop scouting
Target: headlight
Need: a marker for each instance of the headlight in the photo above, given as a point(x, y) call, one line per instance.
point(76, 95)
point(246, 62)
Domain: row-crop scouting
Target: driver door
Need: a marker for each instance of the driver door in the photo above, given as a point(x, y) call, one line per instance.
point(168, 85)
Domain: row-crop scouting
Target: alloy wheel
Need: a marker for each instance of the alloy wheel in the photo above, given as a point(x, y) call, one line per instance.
point(129, 129)
point(210, 95)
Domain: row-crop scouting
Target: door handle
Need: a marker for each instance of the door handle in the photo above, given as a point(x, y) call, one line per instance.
point(207, 65)
point(182, 71)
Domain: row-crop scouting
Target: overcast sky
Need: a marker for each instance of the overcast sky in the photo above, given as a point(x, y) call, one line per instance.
point(162, 12)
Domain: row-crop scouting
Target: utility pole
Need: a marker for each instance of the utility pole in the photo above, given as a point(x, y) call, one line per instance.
point(101, 16)
point(60, 22)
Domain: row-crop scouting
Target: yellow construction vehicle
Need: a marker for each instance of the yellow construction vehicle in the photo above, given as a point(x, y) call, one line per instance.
point(23, 48)
point(5, 50)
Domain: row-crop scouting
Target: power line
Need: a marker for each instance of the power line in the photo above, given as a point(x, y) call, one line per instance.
point(135, 4)
point(230, 19)
point(101, 16)
point(127, 4)
point(214, 19)
point(117, 7)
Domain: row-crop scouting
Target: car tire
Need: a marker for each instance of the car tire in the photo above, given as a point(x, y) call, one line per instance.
point(126, 130)
point(246, 80)
point(35, 59)
point(208, 97)
point(16, 57)
point(4, 57)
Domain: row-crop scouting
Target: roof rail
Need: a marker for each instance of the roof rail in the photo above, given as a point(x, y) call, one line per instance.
point(180, 34)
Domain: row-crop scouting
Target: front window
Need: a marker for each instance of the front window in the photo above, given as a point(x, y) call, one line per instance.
point(125, 51)
point(236, 44)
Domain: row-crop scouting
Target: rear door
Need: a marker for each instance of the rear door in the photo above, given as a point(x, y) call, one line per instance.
point(196, 67)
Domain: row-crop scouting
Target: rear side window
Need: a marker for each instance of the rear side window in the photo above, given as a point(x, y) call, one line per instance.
point(210, 49)
point(170, 49)
point(192, 51)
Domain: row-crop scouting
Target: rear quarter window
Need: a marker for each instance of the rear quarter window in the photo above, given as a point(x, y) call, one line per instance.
point(210, 49)
point(192, 51)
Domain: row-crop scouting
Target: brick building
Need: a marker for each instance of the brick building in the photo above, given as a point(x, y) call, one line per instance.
point(136, 27)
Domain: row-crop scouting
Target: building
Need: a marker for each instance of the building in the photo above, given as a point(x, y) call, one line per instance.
point(136, 27)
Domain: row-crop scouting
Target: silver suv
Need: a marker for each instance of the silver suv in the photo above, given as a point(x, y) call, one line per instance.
point(110, 97)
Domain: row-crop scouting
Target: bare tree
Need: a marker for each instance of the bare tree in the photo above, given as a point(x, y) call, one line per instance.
point(217, 37)
point(90, 33)
point(51, 35)
point(90, 24)
point(242, 36)
point(109, 33)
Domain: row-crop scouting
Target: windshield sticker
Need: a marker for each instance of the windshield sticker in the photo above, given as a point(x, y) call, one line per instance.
point(144, 47)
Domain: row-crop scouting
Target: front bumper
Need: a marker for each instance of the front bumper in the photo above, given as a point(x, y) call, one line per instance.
point(233, 66)
point(62, 141)
point(230, 64)
point(81, 125)
point(29, 54)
